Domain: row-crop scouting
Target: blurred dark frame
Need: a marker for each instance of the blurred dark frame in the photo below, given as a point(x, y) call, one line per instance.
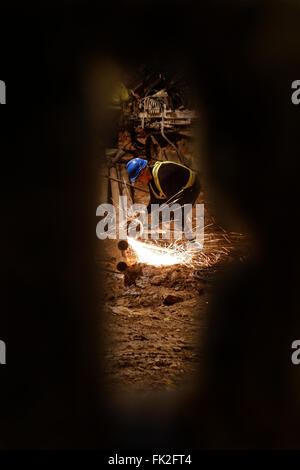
point(242, 58)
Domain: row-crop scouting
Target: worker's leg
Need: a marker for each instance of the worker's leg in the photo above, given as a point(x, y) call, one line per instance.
point(188, 199)
point(187, 220)
point(195, 190)
point(183, 222)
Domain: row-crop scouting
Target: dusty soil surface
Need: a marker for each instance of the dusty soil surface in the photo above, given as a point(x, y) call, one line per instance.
point(154, 327)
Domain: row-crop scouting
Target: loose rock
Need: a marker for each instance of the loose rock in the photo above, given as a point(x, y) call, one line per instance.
point(171, 299)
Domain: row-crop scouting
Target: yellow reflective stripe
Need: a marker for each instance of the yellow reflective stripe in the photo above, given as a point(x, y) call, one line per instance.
point(155, 194)
point(192, 177)
point(156, 180)
point(156, 167)
point(191, 180)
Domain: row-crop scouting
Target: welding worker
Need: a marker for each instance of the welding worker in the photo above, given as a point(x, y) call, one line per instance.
point(169, 183)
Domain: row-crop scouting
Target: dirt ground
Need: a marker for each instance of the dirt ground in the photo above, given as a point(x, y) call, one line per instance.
point(154, 326)
point(153, 343)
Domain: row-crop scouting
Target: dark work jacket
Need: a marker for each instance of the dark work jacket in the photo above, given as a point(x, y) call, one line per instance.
point(172, 178)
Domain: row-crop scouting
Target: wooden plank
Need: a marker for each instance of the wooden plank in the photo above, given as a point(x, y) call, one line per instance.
point(126, 188)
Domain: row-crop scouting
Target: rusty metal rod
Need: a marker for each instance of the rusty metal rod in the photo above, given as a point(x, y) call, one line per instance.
point(126, 191)
point(121, 262)
point(122, 182)
point(123, 245)
point(122, 265)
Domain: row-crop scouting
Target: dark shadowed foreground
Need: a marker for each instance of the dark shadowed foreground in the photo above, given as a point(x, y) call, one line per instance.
point(243, 57)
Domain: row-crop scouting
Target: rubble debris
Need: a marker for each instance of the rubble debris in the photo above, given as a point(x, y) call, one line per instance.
point(158, 280)
point(132, 274)
point(171, 299)
point(140, 338)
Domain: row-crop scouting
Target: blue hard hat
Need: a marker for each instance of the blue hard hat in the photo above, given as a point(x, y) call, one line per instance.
point(134, 167)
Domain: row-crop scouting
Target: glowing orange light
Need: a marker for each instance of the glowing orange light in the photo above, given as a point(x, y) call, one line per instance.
point(157, 255)
point(217, 246)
